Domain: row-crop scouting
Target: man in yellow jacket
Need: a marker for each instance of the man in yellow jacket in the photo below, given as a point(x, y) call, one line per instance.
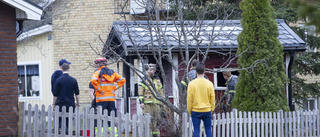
point(201, 101)
point(106, 82)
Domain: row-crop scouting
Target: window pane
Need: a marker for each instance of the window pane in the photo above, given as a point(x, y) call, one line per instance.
point(29, 85)
point(221, 80)
point(311, 104)
point(20, 70)
point(32, 70)
point(308, 104)
point(35, 85)
point(21, 85)
point(33, 80)
point(21, 80)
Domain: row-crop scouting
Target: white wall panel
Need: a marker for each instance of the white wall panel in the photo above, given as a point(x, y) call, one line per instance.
point(38, 49)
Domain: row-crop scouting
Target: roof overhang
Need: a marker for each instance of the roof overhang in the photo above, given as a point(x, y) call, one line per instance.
point(25, 10)
point(134, 36)
point(35, 32)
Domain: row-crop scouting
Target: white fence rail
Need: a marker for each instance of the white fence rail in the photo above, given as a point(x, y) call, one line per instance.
point(39, 122)
point(260, 124)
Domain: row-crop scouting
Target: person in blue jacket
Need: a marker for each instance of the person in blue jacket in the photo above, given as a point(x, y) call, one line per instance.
point(58, 73)
point(66, 87)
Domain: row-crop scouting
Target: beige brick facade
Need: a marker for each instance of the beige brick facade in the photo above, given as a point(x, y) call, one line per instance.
point(75, 31)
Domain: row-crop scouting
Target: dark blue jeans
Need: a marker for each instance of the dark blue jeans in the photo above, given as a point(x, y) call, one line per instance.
point(196, 118)
point(67, 119)
point(110, 106)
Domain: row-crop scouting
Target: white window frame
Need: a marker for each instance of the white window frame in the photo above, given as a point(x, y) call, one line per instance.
point(215, 78)
point(315, 104)
point(40, 80)
point(215, 81)
point(309, 27)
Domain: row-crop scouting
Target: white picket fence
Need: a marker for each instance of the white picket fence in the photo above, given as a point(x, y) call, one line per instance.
point(35, 122)
point(260, 124)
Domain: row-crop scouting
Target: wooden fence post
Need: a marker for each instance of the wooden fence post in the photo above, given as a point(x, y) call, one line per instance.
point(134, 126)
point(56, 122)
point(35, 121)
point(218, 123)
point(119, 116)
point(262, 123)
point(298, 124)
point(274, 124)
point(232, 124)
point(236, 122)
point(70, 116)
point(147, 120)
point(314, 122)
point(127, 122)
point(240, 123)
point(112, 123)
point(141, 126)
point(21, 122)
point(223, 124)
point(254, 121)
point(77, 121)
point(249, 124)
point(228, 124)
point(245, 124)
point(91, 122)
point(63, 123)
point(317, 121)
point(99, 113)
point(49, 121)
point(184, 125)
point(190, 126)
point(43, 121)
point(290, 124)
point(266, 116)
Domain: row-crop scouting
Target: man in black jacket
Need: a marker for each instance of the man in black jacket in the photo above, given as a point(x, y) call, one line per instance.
point(58, 73)
point(65, 88)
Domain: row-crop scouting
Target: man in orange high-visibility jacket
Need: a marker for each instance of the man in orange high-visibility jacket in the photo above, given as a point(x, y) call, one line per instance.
point(106, 82)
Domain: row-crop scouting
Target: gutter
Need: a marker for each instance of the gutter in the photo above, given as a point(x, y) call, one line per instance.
point(290, 80)
point(20, 28)
point(34, 32)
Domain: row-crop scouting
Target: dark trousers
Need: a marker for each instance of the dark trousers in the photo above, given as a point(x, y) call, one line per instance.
point(196, 118)
point(110, 106)
point(67, 119)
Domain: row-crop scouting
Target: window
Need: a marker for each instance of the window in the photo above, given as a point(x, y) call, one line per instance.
point(29, 81)
point(142, 6)
point(220, 82)
point(310, 104)
point(310, 30)
point(121, 7)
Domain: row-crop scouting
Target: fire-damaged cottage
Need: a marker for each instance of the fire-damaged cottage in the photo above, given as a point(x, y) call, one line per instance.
point(134, 39)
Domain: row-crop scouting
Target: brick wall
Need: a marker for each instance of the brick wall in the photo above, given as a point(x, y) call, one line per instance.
point(80, 26)
point(8, 73)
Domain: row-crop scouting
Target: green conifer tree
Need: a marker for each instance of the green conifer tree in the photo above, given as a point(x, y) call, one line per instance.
point(261, 88)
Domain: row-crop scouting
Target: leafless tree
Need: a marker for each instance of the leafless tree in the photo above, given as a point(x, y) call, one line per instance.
point(164, 26)
point(168, 33)
point(52, 10)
